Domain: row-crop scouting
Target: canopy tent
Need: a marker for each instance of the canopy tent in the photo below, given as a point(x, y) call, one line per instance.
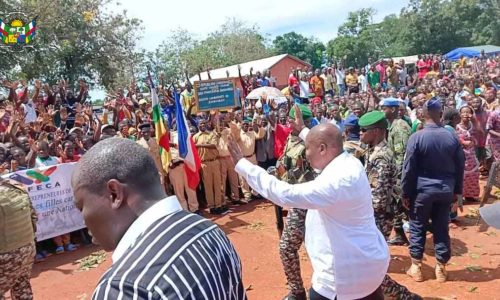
point(473, 51)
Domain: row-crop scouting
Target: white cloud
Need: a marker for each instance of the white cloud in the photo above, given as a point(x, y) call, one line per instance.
point(319, 18)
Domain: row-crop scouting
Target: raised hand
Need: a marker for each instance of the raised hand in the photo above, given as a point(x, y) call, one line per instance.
point(38, 84)
point(63, 113)
point(298, 123)
point(234, 150)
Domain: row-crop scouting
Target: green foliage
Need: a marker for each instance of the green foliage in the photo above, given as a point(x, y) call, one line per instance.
point(233, 43)
point(425, 26)
point(78, 39)
point(81, 39)
point(308, 49)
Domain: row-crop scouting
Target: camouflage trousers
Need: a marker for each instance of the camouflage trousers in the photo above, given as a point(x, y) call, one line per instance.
point(400, 213)
point(290, 242)
point(15, 272)
point(384, 223)
point(392, 289)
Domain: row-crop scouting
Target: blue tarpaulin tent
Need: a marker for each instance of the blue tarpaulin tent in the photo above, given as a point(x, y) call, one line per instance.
point(473, 51)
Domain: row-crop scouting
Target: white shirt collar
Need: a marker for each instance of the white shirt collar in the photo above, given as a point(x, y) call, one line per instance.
point(160, 209)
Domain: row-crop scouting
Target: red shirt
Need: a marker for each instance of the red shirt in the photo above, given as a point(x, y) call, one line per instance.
point(422, 68)
point(280, 136)
point(292, 81)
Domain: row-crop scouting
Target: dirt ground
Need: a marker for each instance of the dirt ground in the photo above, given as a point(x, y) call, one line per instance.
point(474, 271)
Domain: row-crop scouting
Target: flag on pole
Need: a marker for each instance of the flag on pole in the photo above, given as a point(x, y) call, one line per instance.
point(30, 31)
point(4, 32)
point(162, 137)
point(187, 148)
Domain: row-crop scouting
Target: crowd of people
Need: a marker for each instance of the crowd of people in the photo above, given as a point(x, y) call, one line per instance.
point(383, 114)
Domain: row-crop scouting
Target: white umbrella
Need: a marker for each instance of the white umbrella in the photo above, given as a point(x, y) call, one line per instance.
point(272, 93)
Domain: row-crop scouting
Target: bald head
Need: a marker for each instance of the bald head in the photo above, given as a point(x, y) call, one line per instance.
point(327, 134)
point(120, 159)
point(323, 143)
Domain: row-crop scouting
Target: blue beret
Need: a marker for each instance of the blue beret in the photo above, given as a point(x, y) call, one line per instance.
point(433, 104)
point(351, 120)
point(389, 102)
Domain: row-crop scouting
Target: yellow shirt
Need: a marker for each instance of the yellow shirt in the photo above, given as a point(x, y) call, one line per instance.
point(351, 79)
point(246, 140)
point(186, 99)
point(431, 74)
point(154, 150)
point(224, 142)
point(206, 138)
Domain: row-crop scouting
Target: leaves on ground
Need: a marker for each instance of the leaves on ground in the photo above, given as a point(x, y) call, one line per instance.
point(249, 288)
point(473, 213)
point(474, 255)
point(82, 296)
point(473, 289)
point(256, 226)
point(91, 261)
point(491, 233)
point(473, 268)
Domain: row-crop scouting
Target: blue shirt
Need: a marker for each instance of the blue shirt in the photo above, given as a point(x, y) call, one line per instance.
point(434, 163)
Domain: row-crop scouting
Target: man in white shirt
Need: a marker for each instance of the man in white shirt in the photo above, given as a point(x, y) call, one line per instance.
point(363, 80)
point(348, 253)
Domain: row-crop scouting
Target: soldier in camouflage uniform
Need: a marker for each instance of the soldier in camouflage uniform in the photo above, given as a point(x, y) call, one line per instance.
point(397, 138)
point(381, 170)
point(17, 246)
point(293, 168)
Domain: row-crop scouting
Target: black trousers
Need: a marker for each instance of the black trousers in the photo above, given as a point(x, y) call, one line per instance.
point(376, 295)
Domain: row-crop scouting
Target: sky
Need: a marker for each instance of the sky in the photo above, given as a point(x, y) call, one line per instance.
point(319, 18)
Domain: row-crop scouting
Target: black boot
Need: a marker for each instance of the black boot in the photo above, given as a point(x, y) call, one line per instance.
point(399, 239)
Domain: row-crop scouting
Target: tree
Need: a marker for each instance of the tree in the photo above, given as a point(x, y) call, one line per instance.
point(308, 49)
point(232, 44)
point(78, 38)
point(356, 39)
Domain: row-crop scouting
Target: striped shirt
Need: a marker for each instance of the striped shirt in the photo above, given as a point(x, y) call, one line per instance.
point(169, 253)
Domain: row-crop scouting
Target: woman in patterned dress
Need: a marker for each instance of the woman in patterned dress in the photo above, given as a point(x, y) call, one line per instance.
point(493, 129)
point(466, 135)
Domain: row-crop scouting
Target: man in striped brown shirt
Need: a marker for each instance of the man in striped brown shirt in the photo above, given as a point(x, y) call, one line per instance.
point(160, 250)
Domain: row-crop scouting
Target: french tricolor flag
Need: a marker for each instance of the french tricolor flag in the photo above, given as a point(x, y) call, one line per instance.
point(187, 148)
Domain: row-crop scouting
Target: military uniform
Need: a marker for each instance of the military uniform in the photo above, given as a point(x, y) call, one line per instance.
point(397, 139)
point(17, 246)
point(292, 167)
point(210, 168)
point(381, 171)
